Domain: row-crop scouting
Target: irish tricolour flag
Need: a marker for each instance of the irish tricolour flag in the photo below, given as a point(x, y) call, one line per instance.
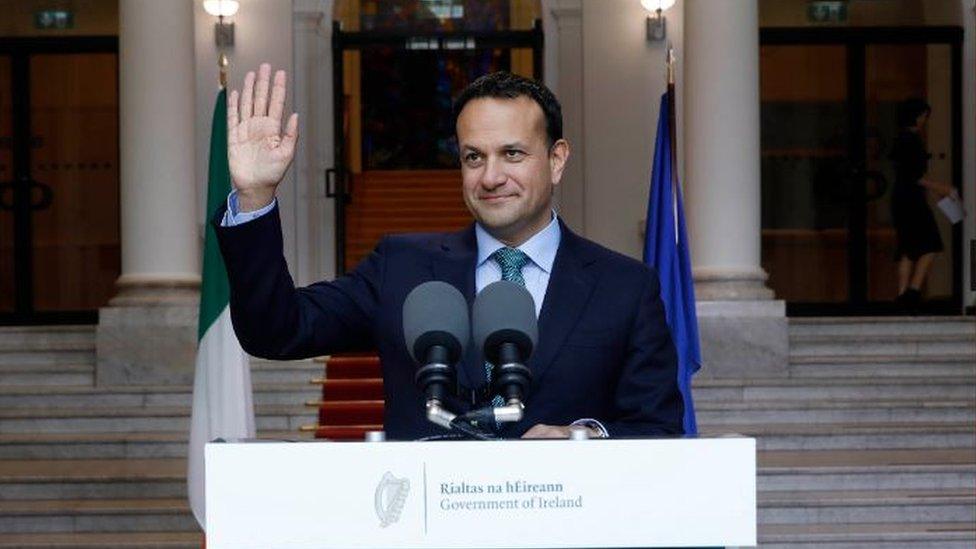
point(222, 405)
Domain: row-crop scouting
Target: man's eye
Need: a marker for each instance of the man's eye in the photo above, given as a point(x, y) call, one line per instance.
point(514, 154)
point(471, 157)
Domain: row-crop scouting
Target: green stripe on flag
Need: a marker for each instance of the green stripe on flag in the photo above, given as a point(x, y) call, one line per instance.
point(215, 290)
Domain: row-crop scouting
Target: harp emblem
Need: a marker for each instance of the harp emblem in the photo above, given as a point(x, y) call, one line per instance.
point(391, 495)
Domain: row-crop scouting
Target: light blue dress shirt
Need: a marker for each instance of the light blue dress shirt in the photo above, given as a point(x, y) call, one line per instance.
point(233, 215)
point(541, 249)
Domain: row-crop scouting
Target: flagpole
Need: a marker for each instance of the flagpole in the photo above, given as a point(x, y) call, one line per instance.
point(672, 126)
point(222, 62)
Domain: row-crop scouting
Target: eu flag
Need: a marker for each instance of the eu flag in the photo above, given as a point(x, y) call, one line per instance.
point(666, 249)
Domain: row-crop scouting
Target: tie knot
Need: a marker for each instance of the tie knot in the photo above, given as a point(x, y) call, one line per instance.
point(511, 260)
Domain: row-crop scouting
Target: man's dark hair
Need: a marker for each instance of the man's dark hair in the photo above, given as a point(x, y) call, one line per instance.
point(505, 85)
point(910, 109)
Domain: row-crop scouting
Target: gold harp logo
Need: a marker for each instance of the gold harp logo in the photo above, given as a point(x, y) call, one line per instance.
point(391, 495)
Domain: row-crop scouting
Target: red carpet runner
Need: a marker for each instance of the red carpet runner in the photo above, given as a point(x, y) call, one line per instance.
point(352, 398)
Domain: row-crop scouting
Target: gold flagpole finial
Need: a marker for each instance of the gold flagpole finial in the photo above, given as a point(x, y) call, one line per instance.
point(222, 62)
point(669, 61)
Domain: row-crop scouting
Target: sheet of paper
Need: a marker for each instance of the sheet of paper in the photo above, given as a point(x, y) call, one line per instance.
point(951, 208)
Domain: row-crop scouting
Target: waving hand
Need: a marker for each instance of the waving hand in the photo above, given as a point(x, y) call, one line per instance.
point(257, 151)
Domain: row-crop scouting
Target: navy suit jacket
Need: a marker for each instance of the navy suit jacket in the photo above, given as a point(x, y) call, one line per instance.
point(604, 348)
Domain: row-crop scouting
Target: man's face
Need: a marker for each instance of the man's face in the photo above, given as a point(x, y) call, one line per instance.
point(509, 172)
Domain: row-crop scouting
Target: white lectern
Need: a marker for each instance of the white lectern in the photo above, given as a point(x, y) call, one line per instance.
point(486, 494)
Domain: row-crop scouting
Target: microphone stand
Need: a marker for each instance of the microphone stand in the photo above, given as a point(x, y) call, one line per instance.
point(441, 416)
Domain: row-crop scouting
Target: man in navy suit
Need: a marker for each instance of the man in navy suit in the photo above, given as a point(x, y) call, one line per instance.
point(604, 359)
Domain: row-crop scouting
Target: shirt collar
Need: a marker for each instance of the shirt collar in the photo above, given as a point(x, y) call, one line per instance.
point(541, 248)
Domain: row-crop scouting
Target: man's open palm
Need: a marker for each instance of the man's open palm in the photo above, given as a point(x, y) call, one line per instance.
point(257, 151)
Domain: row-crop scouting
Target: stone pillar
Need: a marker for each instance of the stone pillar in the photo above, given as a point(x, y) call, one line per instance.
point(744, 331)
point(147, 334)
point(564, 75)
point(312, 96)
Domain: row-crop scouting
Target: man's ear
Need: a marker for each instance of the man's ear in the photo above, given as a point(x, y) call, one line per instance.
point(558, 156)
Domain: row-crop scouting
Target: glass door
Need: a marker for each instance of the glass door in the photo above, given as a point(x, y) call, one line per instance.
point(75, 180)
point(830, 99)
point(894, 72)
point(805, 171)
point(59, 179)
point(399, 66)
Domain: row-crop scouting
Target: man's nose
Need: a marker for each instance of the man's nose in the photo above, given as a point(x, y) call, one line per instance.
point(494, 175)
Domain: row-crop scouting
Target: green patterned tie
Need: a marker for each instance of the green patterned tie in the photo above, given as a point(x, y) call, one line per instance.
point(511, 260)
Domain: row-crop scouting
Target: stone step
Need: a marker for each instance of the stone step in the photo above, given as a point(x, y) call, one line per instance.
point(292, 371)
point(905, 344)
point(31, 338)
point(78, 368)
point(885, 325)
point(79, 373)
point(852, 436)
point(925, 469)
point(92, 479)
point(131, 419)
point(875, 366)
point(866, 506)
point(143, 445)
point(47, 357)
point(849, 411)
point(747, 390)
point(915, 535)
point(103, 540)
point(43, 396)
point(96, 515)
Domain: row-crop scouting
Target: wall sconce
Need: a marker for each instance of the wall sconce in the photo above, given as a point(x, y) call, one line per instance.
point(655, 21)
point(223, 32)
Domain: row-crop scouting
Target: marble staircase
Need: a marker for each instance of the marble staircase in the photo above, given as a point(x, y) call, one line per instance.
point(83, 466)
point(868, 440)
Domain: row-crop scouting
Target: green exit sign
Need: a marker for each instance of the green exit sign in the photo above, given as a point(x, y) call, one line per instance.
point(54, 19)
point(827, 11)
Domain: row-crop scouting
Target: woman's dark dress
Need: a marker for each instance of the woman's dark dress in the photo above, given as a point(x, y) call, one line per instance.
point(914, 223)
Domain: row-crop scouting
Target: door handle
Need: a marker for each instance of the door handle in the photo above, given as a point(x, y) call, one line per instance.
point(338, 186)
point(330, 176)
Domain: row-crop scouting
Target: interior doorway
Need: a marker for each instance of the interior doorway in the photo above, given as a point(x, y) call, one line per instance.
point(59, 178)
point(397, 67)
point(829, 118)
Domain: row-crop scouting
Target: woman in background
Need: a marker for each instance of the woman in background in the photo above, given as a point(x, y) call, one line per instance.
point(915, 228)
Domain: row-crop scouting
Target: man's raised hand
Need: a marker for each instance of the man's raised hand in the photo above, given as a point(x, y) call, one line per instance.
point(257, 151)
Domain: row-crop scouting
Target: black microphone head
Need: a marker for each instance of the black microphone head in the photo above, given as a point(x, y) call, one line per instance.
point(504, 312)
point(435, 313)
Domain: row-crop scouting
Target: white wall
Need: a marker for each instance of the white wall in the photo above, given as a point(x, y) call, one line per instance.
point(624, 76)
point(263, 32)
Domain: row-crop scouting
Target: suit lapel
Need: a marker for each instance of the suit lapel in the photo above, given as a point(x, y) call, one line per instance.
point(454, 263)
point(567, 294)
point(570, 286)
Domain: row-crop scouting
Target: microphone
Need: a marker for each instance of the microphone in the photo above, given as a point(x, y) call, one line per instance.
point(506, 330)
point(436, 329)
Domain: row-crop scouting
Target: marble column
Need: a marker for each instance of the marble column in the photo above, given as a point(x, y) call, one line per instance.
point(147, 333)
point(744, 330)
